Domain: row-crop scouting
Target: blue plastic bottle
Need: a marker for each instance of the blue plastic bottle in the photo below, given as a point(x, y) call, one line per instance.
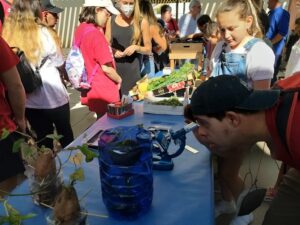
point(126, 171)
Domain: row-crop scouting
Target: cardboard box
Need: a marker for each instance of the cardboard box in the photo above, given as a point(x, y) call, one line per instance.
point(186, 47)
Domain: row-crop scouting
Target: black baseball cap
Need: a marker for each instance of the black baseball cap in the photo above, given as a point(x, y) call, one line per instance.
point(225, 92)
point(47, 5)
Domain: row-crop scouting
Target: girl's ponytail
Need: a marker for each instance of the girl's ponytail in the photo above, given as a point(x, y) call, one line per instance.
point(255, 27)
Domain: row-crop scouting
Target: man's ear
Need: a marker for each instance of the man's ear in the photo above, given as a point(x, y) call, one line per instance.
point(233, 118)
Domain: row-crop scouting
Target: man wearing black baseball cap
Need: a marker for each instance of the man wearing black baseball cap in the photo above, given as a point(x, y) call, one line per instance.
point(233, 118)
point(50, 13)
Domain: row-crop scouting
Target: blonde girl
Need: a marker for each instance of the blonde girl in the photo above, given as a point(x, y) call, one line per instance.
point(242, 45)
point(129, 36)
point(48, 106)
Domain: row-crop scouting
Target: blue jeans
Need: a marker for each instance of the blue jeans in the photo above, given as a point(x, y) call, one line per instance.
point(148, 66)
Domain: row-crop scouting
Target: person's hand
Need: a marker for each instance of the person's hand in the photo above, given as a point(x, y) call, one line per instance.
point(130, 50)
point(172, 35)
point(21, 124)
point(119, 54)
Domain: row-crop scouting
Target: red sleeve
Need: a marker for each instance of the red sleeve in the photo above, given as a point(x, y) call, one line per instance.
point(102, 50)
point(176, 28)
point(7, 56)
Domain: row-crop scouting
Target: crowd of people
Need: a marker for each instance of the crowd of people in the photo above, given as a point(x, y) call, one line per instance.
point(121, 42)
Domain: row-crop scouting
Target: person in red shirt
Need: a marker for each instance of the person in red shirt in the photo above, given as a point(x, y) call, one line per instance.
point(5, 6)
point(171, 25)
point(12, 111)
point(98, 57)
point(233, 118)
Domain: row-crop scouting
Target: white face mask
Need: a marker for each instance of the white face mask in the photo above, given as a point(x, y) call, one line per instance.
point(127, 10)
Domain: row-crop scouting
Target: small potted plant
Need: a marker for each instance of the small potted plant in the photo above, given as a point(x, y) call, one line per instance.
point(45, 177)
point(67, 209)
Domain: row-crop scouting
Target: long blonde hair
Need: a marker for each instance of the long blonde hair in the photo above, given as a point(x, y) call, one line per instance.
point(246, 8)
point(137, 21)
point(21, 29)
point(147, 12)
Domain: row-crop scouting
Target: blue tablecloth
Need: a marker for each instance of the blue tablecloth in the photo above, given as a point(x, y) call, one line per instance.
point(181, 196)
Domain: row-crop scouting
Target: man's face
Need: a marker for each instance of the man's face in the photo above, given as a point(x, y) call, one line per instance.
point(218, 136)
point(272, 4)
point(196, 9)
point(50, 18)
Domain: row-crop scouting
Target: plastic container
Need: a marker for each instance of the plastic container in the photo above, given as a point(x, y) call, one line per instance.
point(126, 171)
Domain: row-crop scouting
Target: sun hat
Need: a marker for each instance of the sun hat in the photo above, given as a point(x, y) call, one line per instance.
point(47, 5)
point(225, 92)
point(102, 3)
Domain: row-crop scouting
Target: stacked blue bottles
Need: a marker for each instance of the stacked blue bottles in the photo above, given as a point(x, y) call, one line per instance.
point(126, 171)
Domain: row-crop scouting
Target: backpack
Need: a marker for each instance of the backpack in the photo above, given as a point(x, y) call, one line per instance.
point(75, 67)
point(31, 79)
point(290, 88)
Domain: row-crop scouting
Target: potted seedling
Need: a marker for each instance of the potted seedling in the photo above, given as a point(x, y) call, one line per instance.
point(67, 209)
point(45, 177)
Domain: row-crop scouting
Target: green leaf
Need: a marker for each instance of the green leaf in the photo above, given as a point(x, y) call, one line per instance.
point(13, 216)
point(77, 175)
point(4, 134)
point(28, 216)
point(89, 154)
point(17, 145)
point(27, 151)
point(54, 136)
point(4, 220)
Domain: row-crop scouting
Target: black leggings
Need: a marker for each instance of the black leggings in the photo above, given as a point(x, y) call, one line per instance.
point(10, 163)
point(42, 121)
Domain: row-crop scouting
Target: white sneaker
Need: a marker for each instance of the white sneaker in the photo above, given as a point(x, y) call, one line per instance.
point(242, 220)
point(224, 207)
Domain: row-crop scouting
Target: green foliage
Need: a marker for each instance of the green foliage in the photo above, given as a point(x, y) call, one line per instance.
point(89, 154)
point(55, 137)
point(17, 145)
point(77, 175)
point(4, 134)
point(173, 101)
point(13, 217)
point(175, 77)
